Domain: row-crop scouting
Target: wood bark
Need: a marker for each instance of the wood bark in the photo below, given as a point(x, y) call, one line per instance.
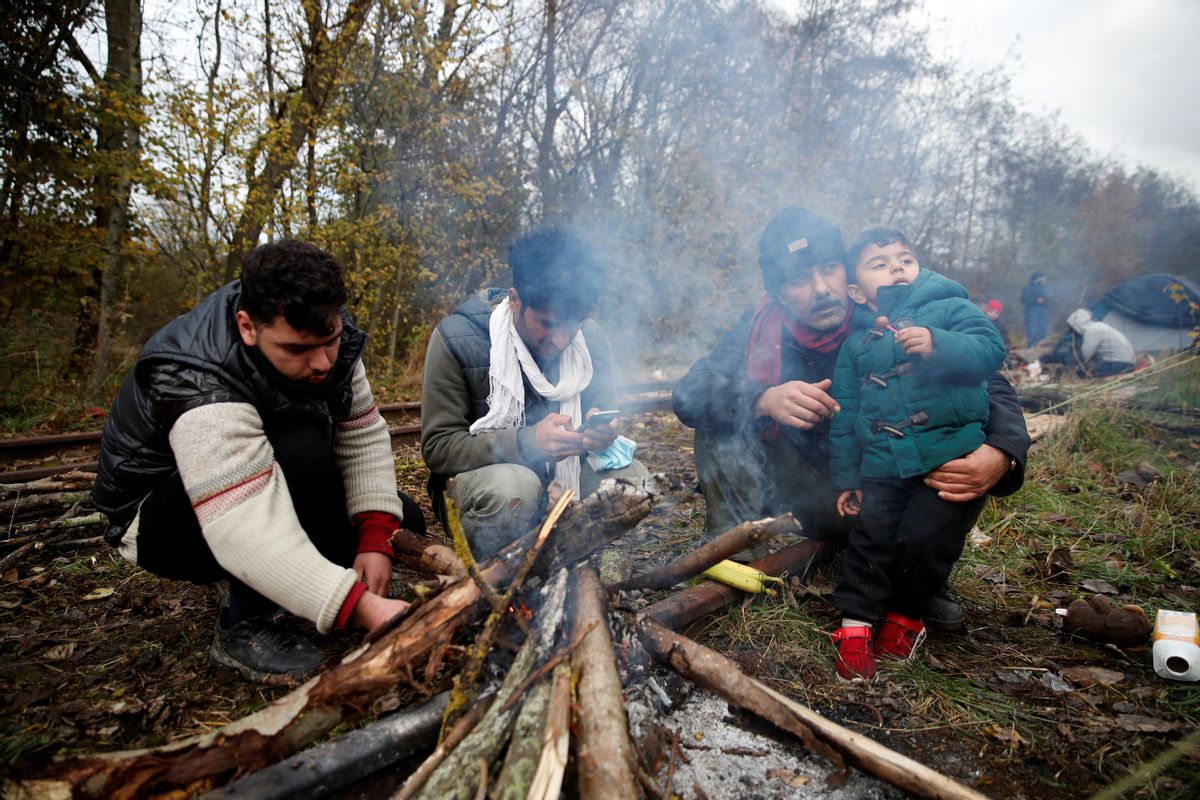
point(458, 777)
point(713, 671)
point(425, 555)
point(40, 502)
point(689, 605)
point(525, 749)
point(556, 739)
point(341, 693)
point(729, 543)
point(119, 140)
point(603, 751)
point(346, 759)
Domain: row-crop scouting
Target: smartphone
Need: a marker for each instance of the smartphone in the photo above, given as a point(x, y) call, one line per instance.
point(600, 418)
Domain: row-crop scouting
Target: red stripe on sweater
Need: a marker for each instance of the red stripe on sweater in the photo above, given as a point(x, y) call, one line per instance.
point(228, 489)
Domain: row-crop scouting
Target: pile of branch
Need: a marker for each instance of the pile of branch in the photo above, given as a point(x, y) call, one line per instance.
point(51, 512)
point(526, 627)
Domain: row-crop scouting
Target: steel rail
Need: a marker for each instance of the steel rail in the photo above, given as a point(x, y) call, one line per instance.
point(635, 399)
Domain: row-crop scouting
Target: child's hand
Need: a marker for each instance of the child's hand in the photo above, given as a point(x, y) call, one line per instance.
point(915, 341)
point(849, 502)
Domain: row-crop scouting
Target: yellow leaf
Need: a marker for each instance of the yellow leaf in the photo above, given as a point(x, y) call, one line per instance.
point(99, 594)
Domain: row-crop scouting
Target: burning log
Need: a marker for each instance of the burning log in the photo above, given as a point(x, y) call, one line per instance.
point(603, 750)
point(713, 671)
point(344, 691)
point(717, 549)
point(457, 776)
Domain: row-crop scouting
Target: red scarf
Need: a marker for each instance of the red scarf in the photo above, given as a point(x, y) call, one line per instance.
point(764, 346)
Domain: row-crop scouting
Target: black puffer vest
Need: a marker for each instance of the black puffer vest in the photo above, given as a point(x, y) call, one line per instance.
point(197, 359)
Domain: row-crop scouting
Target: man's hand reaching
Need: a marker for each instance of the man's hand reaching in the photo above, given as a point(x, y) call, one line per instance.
point(797, 404)
point(375, 570)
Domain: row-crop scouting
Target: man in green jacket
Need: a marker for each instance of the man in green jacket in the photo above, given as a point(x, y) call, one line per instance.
point(510, 379)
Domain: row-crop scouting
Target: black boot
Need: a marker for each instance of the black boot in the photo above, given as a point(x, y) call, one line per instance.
point(264, 649)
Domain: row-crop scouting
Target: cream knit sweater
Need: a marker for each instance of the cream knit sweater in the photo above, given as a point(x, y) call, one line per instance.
point(241, 499)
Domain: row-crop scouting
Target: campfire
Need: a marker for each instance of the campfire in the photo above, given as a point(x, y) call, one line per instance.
point(527, 661)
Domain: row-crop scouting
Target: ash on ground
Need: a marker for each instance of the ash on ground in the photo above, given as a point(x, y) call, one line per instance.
point(721, 760)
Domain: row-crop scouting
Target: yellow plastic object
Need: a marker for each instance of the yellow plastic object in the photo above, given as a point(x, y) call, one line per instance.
point(741, 576)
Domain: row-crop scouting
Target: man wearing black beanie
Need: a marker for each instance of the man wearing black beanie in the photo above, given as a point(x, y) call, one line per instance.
point(761, 409)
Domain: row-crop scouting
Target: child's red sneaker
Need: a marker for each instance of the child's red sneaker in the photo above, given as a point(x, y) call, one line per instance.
point(899, 636)
point(855, 661)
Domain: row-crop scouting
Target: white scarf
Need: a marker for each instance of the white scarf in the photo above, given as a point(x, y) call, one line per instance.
point(510, 357)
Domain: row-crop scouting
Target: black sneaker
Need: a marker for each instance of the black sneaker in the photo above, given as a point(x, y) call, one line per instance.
point(945, 612)
point(264, 650)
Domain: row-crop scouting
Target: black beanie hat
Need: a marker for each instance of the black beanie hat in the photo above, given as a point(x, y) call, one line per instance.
point(794, 241)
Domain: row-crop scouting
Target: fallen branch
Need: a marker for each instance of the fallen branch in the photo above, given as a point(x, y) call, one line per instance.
point(456, 777)
point(67, 523)
point(346, 759)
point(30, 503)
point(729, 543)
point(689, 605)
point(556, 739)
point(713, 671)
point(603, 752)
point(422, 554)
point(465, 681)
point(466, 723)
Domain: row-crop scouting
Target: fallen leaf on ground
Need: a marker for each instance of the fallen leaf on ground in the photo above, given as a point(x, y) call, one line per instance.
point(61, 652)
point(1099, 586)
point(1008, 736)
point(792, 779)
point(1090, 676)
point(1140, 723)
point(99, 594)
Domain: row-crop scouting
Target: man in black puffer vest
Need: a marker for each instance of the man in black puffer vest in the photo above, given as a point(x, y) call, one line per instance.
point(510, 378)
point(245, 448)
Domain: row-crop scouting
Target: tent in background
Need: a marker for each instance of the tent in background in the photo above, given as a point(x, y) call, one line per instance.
point(1156, 312)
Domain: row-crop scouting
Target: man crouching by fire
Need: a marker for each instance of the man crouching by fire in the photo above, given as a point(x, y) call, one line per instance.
point(519, 392)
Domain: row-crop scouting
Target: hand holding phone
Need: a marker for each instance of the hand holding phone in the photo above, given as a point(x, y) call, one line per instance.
point(600, 418)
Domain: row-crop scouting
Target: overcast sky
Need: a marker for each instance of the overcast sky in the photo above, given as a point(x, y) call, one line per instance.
point(1125, 74)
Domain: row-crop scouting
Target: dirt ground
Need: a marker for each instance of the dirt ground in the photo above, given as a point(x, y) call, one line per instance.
point(99, 656)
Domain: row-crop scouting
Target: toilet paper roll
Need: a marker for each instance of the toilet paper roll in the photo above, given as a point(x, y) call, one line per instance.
point(1177, 660)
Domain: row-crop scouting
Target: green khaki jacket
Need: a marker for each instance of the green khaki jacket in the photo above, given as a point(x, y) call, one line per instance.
point(876, 384)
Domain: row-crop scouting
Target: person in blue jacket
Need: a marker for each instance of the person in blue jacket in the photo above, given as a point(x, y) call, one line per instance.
point(1035, 298)
point(911, 384)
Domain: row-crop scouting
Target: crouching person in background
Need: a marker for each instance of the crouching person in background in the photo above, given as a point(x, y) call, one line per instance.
point(510, 379)
point(245, 448)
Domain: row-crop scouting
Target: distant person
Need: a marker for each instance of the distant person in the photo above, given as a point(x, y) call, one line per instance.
point(994, 309)
point(1103, 350)
point(760, 402)
point(510, 379)
point(1035, 298)
point(911, 383)
point(245, 448)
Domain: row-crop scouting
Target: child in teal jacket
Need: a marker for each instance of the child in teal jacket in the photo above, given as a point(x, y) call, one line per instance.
point(911, 383)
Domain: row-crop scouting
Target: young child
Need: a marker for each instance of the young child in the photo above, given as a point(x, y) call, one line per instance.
point(911, 382)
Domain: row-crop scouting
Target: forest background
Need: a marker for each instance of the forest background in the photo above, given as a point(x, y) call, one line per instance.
point(416, 140)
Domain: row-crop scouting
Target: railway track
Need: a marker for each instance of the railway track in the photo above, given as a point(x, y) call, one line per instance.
point(29, 458)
